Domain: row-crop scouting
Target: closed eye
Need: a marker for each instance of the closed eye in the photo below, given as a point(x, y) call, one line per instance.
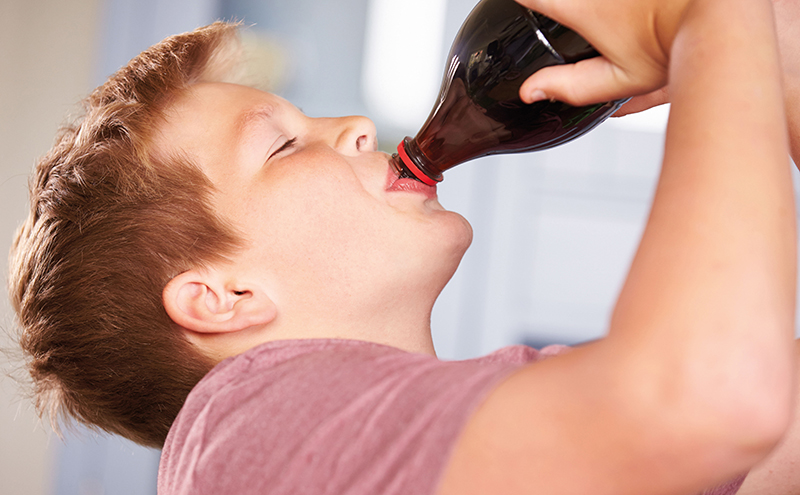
point(287, 145)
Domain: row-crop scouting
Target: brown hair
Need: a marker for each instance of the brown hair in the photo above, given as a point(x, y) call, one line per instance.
point(109, 226)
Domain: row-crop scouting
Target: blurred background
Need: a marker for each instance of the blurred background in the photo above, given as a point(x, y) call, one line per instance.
point(554, 231)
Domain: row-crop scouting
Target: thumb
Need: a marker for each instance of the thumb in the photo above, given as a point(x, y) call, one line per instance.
point(589, 81)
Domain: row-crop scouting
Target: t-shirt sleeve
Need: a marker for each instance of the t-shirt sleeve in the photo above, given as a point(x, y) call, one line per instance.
point(332, 417)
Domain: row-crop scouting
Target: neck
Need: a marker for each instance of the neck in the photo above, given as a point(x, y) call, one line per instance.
point(403, 323)
point(399, 322)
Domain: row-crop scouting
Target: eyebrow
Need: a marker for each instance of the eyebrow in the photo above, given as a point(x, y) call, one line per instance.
point(253, 117)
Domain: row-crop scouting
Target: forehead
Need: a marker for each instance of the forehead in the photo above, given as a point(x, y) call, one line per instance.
point(209, 116)
point(231, 104)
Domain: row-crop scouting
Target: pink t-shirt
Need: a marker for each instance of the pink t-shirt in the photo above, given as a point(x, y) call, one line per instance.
point(336, 417)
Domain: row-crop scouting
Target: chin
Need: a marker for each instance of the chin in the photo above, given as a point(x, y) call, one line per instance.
point(434, 251)
point(457, 232)
point(464, 241)
point(454, 238)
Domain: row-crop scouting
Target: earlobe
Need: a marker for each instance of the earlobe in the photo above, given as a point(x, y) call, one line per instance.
point(202, 301)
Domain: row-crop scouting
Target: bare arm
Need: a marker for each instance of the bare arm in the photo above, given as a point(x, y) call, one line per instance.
point(779, 473)
point(692, 385)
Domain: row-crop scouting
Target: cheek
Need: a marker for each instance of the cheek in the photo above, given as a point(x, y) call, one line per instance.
point(320, 225)
point(323, 228)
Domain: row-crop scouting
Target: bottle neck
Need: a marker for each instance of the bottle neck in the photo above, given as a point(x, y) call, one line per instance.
point(408, 156)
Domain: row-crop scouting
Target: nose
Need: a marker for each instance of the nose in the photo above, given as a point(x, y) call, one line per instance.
point(351, 135)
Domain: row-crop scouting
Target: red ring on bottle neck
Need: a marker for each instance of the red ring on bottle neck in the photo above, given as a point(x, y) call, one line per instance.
point(401, 150)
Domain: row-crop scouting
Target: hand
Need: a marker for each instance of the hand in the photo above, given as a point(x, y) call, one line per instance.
point(787, 21)
point(633, 36)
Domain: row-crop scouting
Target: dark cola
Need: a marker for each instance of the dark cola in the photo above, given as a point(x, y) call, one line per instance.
point(479, 111)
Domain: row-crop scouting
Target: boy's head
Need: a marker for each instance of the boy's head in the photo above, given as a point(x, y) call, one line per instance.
point(184, 220)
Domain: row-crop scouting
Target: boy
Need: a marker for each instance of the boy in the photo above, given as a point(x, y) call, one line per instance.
point(187, 221)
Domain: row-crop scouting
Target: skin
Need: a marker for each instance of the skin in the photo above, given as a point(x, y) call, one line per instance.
point(693, 385)
point(330, 252)
point(779, 474)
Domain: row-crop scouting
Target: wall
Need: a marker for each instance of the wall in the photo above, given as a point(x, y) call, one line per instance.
point(47, 50)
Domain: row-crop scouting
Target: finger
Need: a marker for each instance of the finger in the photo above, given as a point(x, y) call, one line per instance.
point(644, 102)
point(594, 80)
point(546, 7)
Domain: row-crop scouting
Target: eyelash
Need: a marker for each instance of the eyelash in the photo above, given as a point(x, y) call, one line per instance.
point(288, 144)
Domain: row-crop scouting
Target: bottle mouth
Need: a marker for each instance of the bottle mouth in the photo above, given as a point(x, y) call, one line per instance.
point(411, 168)
point(400, 170)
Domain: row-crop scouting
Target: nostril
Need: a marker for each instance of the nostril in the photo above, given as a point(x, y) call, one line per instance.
point(361, 142)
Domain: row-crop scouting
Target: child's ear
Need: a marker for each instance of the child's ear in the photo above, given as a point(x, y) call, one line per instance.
point(200, 301)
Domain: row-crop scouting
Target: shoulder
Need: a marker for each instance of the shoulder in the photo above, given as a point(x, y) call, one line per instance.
point(343, 412)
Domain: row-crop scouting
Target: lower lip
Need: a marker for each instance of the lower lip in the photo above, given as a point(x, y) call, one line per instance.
point(409, 185)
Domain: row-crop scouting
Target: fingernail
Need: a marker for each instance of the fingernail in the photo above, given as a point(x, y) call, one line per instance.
point(537, 95)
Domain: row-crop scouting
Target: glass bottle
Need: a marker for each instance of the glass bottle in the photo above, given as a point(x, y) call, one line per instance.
point(479, 111)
